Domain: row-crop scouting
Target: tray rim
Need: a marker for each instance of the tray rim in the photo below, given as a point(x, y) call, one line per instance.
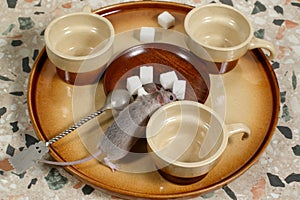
point(128, 194)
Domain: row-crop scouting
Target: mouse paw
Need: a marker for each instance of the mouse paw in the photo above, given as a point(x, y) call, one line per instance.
point(111, 165)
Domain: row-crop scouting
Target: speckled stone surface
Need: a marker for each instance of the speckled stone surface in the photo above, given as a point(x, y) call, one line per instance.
point(22, 22)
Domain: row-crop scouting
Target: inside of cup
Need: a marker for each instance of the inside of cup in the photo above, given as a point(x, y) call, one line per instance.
point(79, 34)
point(177, 132)
point(219, 26)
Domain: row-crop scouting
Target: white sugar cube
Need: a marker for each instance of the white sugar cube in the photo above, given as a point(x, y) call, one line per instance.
point(166, 20)
point(142, 91)
point(179, 87)
point(146, 74)
point(167, 79)
point(133, 84)
point(147, 34)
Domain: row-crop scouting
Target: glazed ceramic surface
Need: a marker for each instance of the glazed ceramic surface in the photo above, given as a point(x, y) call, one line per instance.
point(251, 89)
point(177, 132)
point(220, 33)
point(79, 42)
point(163, 57)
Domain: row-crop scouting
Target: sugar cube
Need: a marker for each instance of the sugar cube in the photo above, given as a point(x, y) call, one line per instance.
point(167, 79)
point(179, 87)
point(147, 34)
point(133, 84)
point(166, 20)
point(146, 74)
point(142, 91)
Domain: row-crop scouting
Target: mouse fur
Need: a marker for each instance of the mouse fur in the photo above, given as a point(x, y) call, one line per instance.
point(126, 129)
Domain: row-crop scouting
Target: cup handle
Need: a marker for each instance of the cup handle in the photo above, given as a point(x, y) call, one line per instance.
point(238, 128)
point(87, 9)
point(260, 43)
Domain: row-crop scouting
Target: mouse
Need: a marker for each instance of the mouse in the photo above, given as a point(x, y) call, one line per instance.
point(127, 128)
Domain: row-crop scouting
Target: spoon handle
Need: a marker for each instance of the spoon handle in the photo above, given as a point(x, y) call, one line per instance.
point(75, 126)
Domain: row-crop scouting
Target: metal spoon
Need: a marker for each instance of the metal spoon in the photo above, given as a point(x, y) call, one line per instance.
point(117, 99)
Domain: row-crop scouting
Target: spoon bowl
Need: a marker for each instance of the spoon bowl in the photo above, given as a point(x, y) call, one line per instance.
point(117, 99)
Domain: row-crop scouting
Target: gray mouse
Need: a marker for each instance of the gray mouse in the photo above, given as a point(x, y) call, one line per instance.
point(127, 128)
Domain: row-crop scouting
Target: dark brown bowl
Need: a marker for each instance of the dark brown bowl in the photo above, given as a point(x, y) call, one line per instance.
point(163, 57)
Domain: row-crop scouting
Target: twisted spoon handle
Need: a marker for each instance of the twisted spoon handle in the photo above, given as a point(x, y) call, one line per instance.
point(75, 126)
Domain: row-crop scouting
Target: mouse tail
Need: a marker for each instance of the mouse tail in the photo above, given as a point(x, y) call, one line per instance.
point(76, 162)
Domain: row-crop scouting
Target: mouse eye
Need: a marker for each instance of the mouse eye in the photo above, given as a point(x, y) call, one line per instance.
point(171, 97)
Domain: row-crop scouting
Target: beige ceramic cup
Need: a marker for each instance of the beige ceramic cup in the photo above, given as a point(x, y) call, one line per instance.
point(79, 45)
point(175, 135)
point(221, 34)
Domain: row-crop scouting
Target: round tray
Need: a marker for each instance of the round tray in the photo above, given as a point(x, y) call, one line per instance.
point(252, 97)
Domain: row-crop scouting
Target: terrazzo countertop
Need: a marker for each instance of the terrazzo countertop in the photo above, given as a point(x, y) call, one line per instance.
point(22, 22)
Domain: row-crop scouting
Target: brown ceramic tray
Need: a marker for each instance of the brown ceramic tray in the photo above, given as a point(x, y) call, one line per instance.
point(252, 97)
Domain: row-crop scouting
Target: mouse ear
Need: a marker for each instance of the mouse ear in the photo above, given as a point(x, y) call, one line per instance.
point(151, 87)
point(160, 98)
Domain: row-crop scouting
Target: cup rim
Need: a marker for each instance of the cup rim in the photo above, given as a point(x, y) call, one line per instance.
point(201, 163)
point(196, 9)
point(79, 58)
